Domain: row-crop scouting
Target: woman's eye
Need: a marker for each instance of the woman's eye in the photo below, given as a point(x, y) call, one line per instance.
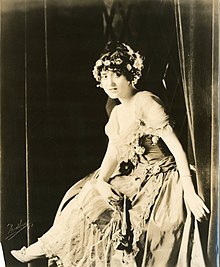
point(117, 74)
point(104, 76)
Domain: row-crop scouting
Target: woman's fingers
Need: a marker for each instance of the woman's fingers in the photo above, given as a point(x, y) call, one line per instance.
point(201, 202)
point(205, 208)
point(113, 197)
point(111, 193)
point(197, 212)
point(197, 207)
point(200, 213)
point(107, 192)
point(201, 210)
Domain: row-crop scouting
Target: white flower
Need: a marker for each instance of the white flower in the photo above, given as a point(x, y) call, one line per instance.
point(129, 67)
point(107, 62)
point(130, 51)
point(135, 80)
point(154, 140)
point(140, 150)
point(99, 63)
point(156, 169)
point(138, 63)
point(118, 61)
point(96, 74)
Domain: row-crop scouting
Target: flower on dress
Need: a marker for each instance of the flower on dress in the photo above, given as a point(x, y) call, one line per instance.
point(154, 140)
point(126, 167)
point(153, 169)
point(156, 169)
point(140, 150)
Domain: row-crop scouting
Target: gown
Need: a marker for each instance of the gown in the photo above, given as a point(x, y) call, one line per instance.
point(150, 225)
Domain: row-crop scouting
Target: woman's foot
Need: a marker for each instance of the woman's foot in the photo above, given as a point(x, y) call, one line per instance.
point(24, 255)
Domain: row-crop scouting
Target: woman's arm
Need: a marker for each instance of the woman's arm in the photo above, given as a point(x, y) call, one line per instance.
point(107, 168)
point(194, 202)
point(109, 164)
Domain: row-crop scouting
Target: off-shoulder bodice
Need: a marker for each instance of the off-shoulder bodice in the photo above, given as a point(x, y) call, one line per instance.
point(149, 124)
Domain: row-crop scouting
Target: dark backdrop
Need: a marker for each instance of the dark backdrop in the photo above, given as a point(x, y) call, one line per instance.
point(52, 114)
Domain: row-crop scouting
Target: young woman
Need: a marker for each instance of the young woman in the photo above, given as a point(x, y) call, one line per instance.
point(136, 210)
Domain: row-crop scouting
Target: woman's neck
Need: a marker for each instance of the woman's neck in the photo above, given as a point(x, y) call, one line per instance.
point(125, 101)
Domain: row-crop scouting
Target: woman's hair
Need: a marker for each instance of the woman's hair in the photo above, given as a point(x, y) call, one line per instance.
point(119, 57)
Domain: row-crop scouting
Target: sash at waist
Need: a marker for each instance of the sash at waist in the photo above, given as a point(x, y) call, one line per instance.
point(130, 184)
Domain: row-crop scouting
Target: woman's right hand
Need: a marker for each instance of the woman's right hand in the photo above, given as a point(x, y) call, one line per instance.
point(107, 192)
point(196, 205)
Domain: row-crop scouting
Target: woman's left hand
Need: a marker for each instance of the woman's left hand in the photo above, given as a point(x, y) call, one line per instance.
point(196, 205)
point(107, 192)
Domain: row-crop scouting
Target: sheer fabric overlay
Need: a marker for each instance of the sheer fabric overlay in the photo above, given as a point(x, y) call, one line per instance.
point(150, 225)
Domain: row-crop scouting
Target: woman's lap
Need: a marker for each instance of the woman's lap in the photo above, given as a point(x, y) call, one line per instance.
point(157, 212)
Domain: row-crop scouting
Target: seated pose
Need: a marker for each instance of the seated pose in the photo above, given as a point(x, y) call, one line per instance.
point(138, 209)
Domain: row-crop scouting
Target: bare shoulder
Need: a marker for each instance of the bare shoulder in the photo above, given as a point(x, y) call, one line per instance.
point(147, 98)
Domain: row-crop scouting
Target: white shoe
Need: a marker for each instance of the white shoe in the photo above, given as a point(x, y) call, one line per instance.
point(23, 255)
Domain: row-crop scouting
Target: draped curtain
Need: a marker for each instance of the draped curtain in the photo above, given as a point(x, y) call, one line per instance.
point(197, 34)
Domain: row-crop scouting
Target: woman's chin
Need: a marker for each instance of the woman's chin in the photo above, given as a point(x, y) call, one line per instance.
point(113, 97)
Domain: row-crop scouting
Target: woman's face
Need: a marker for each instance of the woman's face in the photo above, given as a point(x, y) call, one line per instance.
point(115, 84)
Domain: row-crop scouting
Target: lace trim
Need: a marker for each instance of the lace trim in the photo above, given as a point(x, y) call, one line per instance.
point(151, 191)
point(91, 245)
point(127, 146)
point(97, 246)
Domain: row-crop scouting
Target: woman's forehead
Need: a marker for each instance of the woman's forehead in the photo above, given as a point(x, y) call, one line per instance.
point(106, 71)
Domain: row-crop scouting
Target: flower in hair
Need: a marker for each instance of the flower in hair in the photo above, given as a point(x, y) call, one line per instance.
point(96, 75)
point(138, 63)
point(120, 56)
point(99, 63)
point(107, 62)
point(118, 61)
point(129, 67)
point(130, 51)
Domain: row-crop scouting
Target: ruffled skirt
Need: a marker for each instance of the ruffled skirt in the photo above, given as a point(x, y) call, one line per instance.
point(150, 226)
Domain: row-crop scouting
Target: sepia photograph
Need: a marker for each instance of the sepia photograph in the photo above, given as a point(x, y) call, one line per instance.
point(109, 133)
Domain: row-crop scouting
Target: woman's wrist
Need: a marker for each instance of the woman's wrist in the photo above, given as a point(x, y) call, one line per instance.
point(187, 183)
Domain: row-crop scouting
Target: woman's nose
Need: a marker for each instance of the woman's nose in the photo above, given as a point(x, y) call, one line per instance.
point(111, 79)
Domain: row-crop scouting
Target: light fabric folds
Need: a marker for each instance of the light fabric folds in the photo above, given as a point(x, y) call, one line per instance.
point(150, 225)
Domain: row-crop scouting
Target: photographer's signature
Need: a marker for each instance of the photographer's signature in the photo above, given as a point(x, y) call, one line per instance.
point(13, 230)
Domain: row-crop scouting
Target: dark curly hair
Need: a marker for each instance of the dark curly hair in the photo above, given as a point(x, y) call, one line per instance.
point(119, 57)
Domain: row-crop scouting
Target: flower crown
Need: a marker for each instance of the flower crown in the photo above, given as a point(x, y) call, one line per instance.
point(120, 57)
